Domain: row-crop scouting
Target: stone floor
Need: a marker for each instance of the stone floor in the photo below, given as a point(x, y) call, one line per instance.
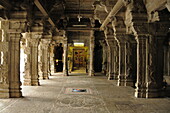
point(103, 96)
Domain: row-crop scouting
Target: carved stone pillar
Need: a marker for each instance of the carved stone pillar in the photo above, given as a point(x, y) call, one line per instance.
point(167, 55)
point(91, 68)
point(140, 90)
point(44, 59)
point(14, 73)
point(111, 46)
point(31, 69)
point(149, 47)
point(65, 65)
point(52, 58)
point(104, 53)
point(129, 65)
point(4, 69)
point(121, 39)
point(116, 61)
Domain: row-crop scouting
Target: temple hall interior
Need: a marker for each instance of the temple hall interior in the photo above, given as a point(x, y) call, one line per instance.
point(84, 56)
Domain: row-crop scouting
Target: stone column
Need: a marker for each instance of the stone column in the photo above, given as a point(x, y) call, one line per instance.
point(65, 65)
point(167, 55)
point(111, 43)
point(149, 67)
point(121, 39)
point(104, 53)
point(44, 59)
point(52, 58)
point(129, 65)
point(14, 36)
point(4, 69)
point(116, 61)
point(91, 68)
point(31, 69)
point(48, 61)
point(14, 72)
point(140, 90)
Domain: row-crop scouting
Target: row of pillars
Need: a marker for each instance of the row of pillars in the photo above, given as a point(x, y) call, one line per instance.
point(137, 62)
point(36, 55)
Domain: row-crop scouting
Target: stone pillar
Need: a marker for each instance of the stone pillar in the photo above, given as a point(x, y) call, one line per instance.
point(121, 39)
point(48, 61)
point(4, 69)
point(129, 81)
point(104, 53)
point(52, 59)
point(44, 59)
point(14, 72)
point(31, 69)
point(65, 65)
point(116, 61)
point(167, 55)
point(111, 43)
point(149, 67)
point(91, 68)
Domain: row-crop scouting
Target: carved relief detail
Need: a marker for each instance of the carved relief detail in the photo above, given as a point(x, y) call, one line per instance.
point(3, 57)
point(151, 60)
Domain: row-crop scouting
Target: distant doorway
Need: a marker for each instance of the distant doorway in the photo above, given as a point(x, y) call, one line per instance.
point(79, 59)
point(58, 58)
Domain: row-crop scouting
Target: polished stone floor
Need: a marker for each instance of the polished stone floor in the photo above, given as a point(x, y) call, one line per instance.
point(103, 96)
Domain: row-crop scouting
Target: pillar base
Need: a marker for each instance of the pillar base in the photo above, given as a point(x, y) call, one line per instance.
point(91, 73)
point(35, 83)
point(111, 77)
point(4, 91)
point(15, 94)
point(43, 76)
point(115, 77)
point(65, 72)
point(148, 93)
point(27, 82)
point(123, 81)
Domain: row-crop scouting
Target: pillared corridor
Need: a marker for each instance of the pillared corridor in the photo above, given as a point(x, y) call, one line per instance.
point(102, 96)
point(89, 56)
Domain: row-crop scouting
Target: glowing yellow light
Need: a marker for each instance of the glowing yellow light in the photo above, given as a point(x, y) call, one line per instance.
point(79, 44)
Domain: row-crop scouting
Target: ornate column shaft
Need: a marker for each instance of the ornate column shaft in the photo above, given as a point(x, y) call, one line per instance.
point(104, 53)
point(14, 34)
point(141, 66)
point(122, 60)
point(4, 69)
point(116, 61)
point(44, 59)
point(65, 65)
point(31, 69)
point(91, 68)
point(14, 66)
point(111, 46)
point(52, 58)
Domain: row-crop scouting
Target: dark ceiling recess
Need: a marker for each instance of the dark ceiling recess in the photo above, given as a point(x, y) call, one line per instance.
point(57, 13)
point(97, 24)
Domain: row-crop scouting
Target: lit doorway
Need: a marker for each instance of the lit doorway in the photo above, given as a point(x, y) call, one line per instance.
point(79, 59)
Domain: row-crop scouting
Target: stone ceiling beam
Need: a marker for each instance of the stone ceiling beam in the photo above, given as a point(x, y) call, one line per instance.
point(44, 12)
point(112, 13)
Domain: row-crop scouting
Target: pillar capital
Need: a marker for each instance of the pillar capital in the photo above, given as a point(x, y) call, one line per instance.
point(45, 42)
point(32, 37)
